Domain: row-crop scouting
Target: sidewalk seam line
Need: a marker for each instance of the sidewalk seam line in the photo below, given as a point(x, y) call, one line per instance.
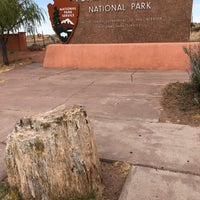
point(166, 169)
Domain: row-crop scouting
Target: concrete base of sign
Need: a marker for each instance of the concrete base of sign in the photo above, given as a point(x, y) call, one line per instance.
point(163, 56)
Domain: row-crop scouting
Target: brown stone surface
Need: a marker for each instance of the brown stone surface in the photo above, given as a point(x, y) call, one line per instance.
point(133, 21)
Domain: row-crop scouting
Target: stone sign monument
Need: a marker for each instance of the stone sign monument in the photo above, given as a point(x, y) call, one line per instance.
point(130, 21)
point(120, 34)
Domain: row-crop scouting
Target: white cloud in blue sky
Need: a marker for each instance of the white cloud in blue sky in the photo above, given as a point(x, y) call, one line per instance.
point(47, 29)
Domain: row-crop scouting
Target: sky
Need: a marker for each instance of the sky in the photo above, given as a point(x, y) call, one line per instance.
point(47, 29)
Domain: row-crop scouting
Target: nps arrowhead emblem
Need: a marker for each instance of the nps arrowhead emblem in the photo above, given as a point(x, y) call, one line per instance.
point(64, 18)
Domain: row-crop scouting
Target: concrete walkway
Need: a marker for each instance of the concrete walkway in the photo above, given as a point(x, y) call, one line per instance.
point(124, 109)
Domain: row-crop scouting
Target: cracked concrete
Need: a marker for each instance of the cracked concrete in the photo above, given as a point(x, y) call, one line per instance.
point(167, 146)
point(124, 108)
point(147, 183)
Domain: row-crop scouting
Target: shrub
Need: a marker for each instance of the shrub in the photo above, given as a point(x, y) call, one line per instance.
point(35, 47)
point(193, 53)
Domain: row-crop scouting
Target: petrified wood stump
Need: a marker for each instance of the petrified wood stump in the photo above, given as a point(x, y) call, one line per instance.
point(53, 156)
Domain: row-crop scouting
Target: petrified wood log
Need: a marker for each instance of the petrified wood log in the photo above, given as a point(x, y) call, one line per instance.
point(53, 156)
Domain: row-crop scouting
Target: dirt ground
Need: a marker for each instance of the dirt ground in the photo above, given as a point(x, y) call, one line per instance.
point(180, 104)
point(114, 175)
point(19, 58)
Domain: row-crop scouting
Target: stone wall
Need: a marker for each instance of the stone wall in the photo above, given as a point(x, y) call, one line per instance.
point(129, 21)
point(17, 42)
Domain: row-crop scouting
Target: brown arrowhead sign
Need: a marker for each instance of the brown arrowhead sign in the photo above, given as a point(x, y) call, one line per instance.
point(64, 18)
